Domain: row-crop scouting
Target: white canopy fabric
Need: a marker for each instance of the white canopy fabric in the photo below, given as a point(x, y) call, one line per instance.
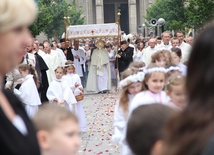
point(92, 31)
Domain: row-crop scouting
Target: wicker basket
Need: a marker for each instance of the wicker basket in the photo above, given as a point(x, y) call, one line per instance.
point(79, 97)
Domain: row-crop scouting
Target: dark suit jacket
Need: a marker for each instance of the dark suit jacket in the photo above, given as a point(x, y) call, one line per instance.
point(69, 55)
point(126, 58)
point(13, 142)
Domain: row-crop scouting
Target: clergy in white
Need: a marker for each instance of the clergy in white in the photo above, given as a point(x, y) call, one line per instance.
point(99, 77)
point(185, 48)
point(165, 44)
point(149, 51)
point(79, 58)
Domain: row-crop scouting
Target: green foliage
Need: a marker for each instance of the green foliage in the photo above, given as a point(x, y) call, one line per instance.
point(178, 16)
point(199, 12)
point(171, 10)
point(50, 19)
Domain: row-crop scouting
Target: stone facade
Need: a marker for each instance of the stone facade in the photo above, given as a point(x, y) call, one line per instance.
point(104, 11)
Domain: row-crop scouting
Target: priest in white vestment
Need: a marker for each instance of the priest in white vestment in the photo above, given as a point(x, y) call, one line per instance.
point(149, 51)
point(99, 77)
point(185, 48)
point(79, 61)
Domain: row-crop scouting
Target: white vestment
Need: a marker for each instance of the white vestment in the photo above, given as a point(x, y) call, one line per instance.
point(53, 63)
point(59, 89)
point(79, 62)
point(185, 49)
point(73, 79)
point(99, 77)
point(29, 95)
point(162, 46)
point(147, 55)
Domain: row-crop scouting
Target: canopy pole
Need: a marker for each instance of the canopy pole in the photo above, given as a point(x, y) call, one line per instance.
point(118, 45)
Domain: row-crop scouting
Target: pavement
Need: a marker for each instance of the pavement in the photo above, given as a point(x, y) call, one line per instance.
point(99, 109)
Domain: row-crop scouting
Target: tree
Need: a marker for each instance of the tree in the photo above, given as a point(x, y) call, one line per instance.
point(172, 11)
point(50, 19)
point(199, 12)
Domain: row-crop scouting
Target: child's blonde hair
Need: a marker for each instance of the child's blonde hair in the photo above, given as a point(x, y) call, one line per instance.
point(31, 70)
point(163, 53)
point(50, 115)
point(124, 99)
point(69, 63)
point(175, 80)
point(137, 65)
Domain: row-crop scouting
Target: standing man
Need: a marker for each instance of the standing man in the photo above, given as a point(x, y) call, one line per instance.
point(124, 56)
point(185, 48)
point(165, 43)
point(149, 51)
point(67, 50)
point(79, 61)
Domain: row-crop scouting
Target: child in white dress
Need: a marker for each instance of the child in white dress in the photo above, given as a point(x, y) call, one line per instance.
point(175, 89)
point(28, 92)
point(176, 55)
point(154, 83)
point(131, 85)
point(74, 83)
point(59, 92)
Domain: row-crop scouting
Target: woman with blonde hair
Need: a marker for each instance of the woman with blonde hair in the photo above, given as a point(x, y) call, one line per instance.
point(17, 132)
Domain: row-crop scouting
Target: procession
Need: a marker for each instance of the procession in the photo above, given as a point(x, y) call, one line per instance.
point(108, 86)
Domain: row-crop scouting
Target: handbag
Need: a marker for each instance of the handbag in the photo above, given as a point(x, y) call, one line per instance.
point(79, 97)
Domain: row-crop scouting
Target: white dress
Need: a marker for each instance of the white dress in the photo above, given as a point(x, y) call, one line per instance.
point(120, 124)
point(186, 50)
point(72, 79)
point(183, 69)
point(147, 97)
point(138, 56)
point(60, 89)
point(29, 95)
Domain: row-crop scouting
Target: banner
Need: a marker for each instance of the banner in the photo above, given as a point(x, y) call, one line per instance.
point(92, 31)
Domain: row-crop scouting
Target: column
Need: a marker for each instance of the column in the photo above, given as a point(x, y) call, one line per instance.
point(132, 17)
point(99, 12)
point(89, 12)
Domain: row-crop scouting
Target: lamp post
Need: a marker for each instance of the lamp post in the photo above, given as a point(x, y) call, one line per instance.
point(144, 32)
point(161, 22)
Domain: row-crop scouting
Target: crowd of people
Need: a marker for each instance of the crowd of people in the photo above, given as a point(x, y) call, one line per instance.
point(166, 89)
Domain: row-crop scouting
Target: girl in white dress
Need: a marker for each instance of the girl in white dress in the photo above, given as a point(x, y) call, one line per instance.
point(131, 85)
point(154, 83)
point(74, 83)
point(138, 55)
point(28, 92)
point(175, 89)
point(59, 92)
